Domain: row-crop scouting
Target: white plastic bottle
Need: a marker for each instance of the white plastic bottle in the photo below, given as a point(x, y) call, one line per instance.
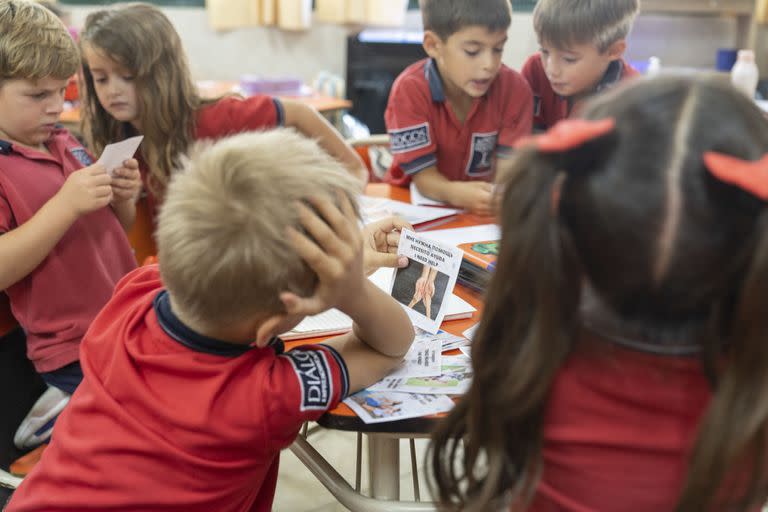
point(654, 67)
point(745, 74)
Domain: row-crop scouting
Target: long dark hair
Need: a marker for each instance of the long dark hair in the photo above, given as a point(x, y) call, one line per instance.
point(142, 39)
point(664, 244)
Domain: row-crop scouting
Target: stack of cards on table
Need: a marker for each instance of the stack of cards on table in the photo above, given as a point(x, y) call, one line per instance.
point(421, 385)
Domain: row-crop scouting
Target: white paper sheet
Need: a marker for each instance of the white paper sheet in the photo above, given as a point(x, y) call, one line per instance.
point(380, 407)
point(115, 154)
point(426, 285)
point(454, 379)
point(419, 199)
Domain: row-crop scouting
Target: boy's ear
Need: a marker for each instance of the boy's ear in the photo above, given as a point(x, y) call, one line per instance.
point(432, 44)
point(269, 328)
point(617, 49)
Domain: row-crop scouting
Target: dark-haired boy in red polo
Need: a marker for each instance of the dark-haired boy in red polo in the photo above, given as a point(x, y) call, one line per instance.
point(451, 116)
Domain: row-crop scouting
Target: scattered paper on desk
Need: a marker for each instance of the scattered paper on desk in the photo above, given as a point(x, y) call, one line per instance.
point(454, 379)
point(423, 359)
point(425, 285)
point(419, 199)
point(115, 154)
point(334, 321)
point(467, 351)
point(380, 407)
point(451, 342)
point(468, 235)
point(375, 208)
point(470, 333)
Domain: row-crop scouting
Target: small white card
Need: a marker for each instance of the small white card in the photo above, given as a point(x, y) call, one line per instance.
point(454, 379)
point(423, 359)
point(379, 407)
point(424, 286)
point(115, 154)
point(470, 333)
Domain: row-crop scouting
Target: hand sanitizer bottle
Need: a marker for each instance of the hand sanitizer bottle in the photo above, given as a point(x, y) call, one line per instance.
point(745, 75)
point(654, 67)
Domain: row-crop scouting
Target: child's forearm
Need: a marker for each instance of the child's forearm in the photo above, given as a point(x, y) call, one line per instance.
point(24, 248)
point(381, 323)
point(312, 124)
point(434, 185)
point(125, 211)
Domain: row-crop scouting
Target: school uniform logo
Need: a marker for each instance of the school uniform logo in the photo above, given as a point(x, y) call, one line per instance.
point(410, 138)
point(315, 378)
point(82, 156)
point(481, 153)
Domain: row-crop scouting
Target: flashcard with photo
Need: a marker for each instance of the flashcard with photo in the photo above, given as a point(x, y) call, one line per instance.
point(424, 285)
point(379, 407)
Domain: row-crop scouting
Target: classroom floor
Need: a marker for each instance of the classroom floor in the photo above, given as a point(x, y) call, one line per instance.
point(299, 491)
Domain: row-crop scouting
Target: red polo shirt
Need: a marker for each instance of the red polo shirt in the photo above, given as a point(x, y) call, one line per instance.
point(169, 420)
point(57, 301)
point(228, 116)
point(548, 106)
point(424, 132)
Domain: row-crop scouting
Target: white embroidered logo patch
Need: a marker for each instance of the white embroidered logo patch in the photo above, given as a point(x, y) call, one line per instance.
point(410, 138)
point(315, 378)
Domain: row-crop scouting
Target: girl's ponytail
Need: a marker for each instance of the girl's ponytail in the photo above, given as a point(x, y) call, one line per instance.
point(525, 335)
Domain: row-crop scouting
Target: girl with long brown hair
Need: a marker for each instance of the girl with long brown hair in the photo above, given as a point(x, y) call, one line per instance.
point(622, 360)
point(137, 81)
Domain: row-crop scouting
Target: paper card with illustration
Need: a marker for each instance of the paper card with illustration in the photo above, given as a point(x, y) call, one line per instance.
point(378, 407)
point(115, 154)
point(423, 358)
point(424, 285)
point(451, 341)
point(454, 379)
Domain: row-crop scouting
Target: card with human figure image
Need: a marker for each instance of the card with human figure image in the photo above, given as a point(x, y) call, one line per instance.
point(425, 284)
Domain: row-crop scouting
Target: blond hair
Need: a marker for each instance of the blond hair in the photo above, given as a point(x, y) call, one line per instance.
point(221, 234)
point(143, 40)
point(34, 43)
point(563, 23)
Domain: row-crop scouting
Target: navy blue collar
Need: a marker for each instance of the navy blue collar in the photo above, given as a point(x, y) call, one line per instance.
point(179, 332)
point(5, 147)
point(612, 75)
point(432, 74)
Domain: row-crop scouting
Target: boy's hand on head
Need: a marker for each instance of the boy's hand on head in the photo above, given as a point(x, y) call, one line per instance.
point(381, 239)
point(475, 196)
point(86, 190)
point(335, 254)
point(126, 182)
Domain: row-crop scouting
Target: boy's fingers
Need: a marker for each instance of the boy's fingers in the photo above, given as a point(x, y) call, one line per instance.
point(295, 305)
point(335, 219)
point(383, 259)
point(310, 252)
point(318, 228)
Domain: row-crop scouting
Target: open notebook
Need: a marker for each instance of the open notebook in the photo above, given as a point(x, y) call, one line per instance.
point(334, 321)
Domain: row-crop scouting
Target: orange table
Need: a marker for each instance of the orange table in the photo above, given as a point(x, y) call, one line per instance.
point(383, 438)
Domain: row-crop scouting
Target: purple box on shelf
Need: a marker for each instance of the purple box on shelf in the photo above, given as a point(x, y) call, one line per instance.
point(252, 84)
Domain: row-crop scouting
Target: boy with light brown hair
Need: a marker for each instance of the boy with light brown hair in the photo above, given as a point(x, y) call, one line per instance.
point(582, 48)
point(184, 367)
point(63, 245)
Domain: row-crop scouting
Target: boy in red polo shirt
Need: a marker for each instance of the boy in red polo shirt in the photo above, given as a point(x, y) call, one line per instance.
point(450, 116)
point(188, 395)
point(63, 245)
point(582, 47)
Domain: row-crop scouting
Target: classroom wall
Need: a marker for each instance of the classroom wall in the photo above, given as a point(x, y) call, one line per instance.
point(677, 40)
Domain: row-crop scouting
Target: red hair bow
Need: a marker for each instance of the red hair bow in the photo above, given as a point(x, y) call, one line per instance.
point(750, 176)
point(568, 134)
